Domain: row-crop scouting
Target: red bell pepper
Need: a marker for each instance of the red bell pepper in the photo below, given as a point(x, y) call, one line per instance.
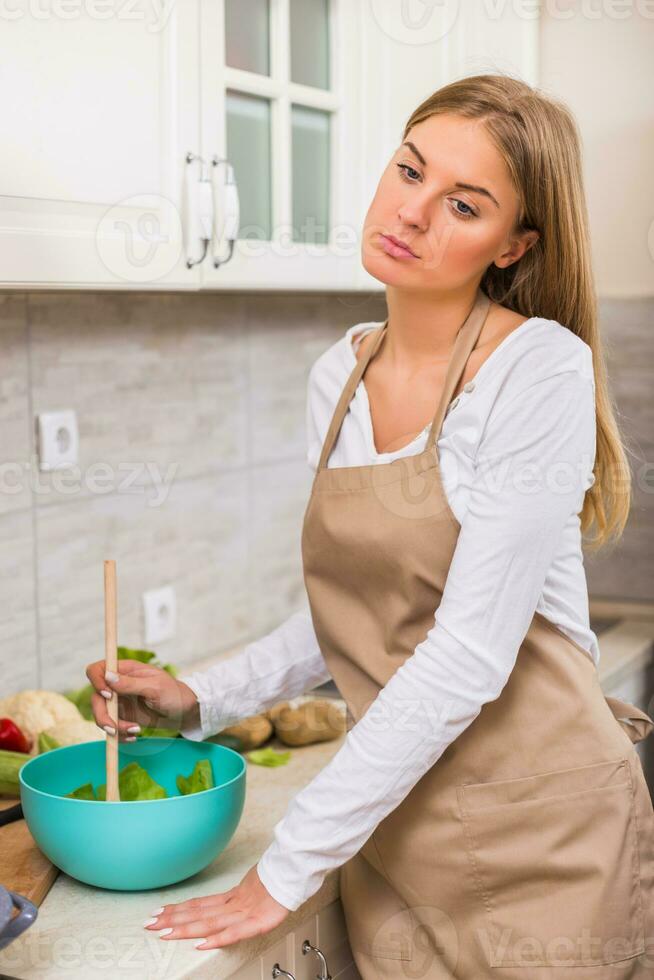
point(12, 738)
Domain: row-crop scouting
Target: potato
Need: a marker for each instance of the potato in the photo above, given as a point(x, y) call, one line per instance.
point(251, 732)
point(318, 720)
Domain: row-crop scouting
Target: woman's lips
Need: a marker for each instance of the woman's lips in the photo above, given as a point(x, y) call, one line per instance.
point(397, 251)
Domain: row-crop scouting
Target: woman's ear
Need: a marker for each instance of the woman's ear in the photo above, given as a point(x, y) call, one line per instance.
point(519, 245)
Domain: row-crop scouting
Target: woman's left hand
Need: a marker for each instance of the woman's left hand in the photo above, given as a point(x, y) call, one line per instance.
point(246, 910)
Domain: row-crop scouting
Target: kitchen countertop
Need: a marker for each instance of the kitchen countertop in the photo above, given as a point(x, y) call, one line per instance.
point(82, 929)
point(625, 646)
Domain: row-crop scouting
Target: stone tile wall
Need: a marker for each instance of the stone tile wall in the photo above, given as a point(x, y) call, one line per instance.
point(193, 471)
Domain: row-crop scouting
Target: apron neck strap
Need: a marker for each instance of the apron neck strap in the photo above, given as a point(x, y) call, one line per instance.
point(346, 396)
point(464, 342)
point(466, 339)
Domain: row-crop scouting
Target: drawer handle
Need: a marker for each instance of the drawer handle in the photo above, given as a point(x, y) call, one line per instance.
point(324, 969)
point(278, 972)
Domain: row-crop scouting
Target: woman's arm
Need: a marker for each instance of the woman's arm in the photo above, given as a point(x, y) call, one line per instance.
point(533, 467)
point(286, 662)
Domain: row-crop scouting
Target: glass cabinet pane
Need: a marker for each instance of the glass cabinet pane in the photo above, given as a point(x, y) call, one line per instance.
point(310, 42)
point(310, 174)
point(249, 151)
point(247, 35)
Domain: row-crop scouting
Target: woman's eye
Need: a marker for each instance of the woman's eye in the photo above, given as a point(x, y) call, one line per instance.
point(463, 214)
point(404, 167)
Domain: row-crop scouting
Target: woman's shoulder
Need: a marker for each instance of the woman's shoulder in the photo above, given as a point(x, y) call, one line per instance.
point(540, 348)
point(535, 349)
point(335, 363)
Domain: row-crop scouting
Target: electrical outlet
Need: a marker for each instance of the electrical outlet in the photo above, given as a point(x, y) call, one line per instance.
point(58, 439)
point(160, 610)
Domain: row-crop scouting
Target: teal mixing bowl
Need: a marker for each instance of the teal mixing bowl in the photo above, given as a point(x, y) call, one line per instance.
point(132, 845)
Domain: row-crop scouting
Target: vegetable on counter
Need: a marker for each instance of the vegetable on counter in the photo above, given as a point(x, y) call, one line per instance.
point(47, 742)
point(36, 710)
point(268, 757)
point(12, 739)
point(10, 765)
point(249, 732)
point(72, 732)
point(317, 720)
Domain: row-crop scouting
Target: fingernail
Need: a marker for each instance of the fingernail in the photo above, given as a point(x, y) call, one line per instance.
point(164, 932)
point(130, 738)
point(134, 728)
point(111, 677)
point(150, 922)
point(202, 943)
point(109, 730)
point(157, 911)
point(106, 694)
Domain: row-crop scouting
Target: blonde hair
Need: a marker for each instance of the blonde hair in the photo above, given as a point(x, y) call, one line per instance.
point(539, 141)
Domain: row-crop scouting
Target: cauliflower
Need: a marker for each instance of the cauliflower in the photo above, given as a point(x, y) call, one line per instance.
point(35, 710)
point(73, 731)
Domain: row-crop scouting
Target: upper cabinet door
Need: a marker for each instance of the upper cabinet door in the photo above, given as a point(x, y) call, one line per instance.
point(280, 105)
point(100, 107)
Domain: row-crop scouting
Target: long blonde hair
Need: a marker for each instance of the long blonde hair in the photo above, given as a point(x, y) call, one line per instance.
point(538, 139)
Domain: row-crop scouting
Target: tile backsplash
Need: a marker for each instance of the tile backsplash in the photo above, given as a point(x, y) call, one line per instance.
point(193, 470)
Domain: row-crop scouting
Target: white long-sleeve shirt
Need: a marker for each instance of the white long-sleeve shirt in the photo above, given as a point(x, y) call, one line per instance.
point(516, 449)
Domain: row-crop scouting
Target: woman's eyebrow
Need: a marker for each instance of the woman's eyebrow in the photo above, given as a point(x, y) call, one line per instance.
point(468, 187)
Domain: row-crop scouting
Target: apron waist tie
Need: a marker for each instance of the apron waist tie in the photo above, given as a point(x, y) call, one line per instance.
point(638, 724)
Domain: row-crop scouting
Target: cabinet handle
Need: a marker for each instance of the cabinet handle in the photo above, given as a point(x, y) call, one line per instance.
point(278, 972)
point(225, 221)
point(199, 208)
point(324, 969)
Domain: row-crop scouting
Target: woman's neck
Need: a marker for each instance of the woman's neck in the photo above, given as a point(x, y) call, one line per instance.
point(422, 327)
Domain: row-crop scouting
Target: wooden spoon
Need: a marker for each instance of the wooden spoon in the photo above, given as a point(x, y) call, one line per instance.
point(111, 663)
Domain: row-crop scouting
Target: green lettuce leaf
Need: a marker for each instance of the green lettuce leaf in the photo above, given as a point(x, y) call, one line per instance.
point(200, 779)
point(134, 783)
point(47, 742)
point(84, 792)
point(268, 757)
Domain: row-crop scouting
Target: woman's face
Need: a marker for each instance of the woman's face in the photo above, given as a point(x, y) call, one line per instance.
point(456, 232)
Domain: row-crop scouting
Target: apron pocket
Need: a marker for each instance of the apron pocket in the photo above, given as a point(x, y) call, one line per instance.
point(555, 861)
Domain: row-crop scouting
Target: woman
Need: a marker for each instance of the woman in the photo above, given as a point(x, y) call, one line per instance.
point(487, 809)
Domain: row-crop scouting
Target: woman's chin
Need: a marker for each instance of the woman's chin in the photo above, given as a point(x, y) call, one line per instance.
point(385, 268)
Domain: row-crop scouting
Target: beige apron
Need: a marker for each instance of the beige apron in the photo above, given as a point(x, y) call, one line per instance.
point(527, 850)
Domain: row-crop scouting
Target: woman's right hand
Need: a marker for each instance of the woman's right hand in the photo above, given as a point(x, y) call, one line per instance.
point(147, 696)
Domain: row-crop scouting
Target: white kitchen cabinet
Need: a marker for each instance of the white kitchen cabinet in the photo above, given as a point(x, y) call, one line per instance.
point(410, 50)
point(125, 119)
point(281, 102)
point(384, 58)
point(100, 105)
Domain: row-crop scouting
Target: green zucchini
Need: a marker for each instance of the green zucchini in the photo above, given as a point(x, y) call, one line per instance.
point(10, 765)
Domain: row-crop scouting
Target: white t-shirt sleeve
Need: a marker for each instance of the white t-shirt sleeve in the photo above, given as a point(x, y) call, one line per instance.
point(533, 466)
point(282, 664)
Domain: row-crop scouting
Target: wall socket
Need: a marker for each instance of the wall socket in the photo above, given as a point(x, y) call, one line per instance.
point(58, 439)
point(160, 613)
